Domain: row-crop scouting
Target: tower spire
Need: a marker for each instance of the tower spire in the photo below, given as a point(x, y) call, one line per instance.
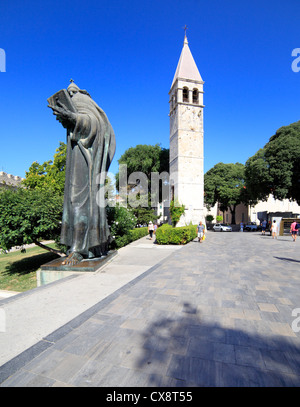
point(186, 67)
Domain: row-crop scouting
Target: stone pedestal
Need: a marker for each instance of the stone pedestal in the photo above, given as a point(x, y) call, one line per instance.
point(55, 270)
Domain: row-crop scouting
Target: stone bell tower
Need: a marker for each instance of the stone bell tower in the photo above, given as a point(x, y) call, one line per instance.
point(186, 138)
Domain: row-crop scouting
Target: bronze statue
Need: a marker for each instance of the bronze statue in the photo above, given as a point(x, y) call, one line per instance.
point(90, 149)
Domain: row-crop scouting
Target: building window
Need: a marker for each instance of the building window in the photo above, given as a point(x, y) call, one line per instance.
point(195, 96)
point(185, 94)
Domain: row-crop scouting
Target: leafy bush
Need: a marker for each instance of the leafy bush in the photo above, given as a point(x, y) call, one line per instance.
point(120, 241)
point(122, 222)
point(137, 233)
point(176, 210)
point(128, 237)
point(169, 235)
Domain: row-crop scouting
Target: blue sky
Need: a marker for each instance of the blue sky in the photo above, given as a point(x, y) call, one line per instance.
point(125, 54)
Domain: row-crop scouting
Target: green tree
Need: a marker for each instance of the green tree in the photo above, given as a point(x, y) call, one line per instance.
point(209, 218)
point(29, 216)
point(145, 159)
point(225, 183)
point(257, 177)
point(276, 167)
point(50, 175)
point(144, 215)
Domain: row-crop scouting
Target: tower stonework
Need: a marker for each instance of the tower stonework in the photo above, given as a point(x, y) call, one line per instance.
point(186, 138)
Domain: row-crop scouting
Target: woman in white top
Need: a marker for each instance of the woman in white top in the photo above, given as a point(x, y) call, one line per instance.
point(274, 229)
point(150, 229)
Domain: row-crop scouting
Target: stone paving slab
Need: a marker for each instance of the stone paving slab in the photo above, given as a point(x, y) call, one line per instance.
point(217, 314)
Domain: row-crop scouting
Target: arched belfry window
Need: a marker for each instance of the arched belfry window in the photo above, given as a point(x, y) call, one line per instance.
point(195, 96)
point(185, 94)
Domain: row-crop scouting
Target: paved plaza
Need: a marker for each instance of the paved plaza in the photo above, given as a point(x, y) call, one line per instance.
point(219, 313)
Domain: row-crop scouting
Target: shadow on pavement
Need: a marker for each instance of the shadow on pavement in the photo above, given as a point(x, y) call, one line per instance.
point(287, 259)
point(201, 354)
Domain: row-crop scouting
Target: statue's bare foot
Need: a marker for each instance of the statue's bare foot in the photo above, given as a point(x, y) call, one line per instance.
point(72, 259)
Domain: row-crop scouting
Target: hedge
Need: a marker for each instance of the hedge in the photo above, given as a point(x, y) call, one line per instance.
point(129, 237)
point(138, 233)
point(166, 234)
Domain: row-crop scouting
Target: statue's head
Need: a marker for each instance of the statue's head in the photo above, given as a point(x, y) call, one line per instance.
point(73, 88)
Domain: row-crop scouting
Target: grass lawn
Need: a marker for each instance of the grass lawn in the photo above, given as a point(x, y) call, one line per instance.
point(18, 270)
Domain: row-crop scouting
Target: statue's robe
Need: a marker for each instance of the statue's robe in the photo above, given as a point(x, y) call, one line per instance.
point(90, 149)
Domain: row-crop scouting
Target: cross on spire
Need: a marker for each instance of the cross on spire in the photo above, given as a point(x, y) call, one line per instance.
point(185, 37)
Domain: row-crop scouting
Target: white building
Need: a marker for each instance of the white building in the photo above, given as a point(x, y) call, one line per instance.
point(262, 210)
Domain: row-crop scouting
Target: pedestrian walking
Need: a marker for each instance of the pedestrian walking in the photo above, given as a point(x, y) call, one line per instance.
point(274, 229)
point(201, 232)
point(241, 227)
point(263, 227)
point(294, 230)
point(150, 229)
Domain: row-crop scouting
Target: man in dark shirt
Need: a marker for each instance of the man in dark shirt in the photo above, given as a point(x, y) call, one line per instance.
point(263, 227)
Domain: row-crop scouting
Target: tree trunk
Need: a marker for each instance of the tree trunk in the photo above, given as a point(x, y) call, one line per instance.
point(232, 210)
point(59, 253)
